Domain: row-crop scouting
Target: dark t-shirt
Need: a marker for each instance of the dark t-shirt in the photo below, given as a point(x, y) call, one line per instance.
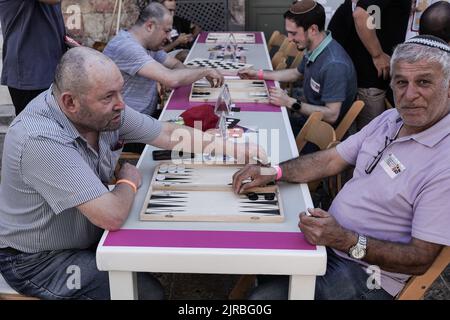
point(182, 25)
point(394, 15)
point(33, 43)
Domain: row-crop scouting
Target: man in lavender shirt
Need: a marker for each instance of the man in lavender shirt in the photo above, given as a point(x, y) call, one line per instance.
point(391, 220)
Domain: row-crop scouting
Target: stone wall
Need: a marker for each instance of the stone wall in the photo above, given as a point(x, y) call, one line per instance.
point(89, 21)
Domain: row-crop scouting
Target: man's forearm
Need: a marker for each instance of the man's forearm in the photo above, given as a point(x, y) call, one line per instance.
point(186, 76)
point(368, 36)
point(412, 258)
point(330, 115)
point(287, 75)
point(313, 166)
point(401, 258)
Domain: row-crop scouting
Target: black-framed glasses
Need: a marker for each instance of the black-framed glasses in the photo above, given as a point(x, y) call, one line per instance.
point(376, 159)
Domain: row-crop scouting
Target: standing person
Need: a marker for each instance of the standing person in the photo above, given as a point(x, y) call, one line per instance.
point(33, 35)
point(370, 44)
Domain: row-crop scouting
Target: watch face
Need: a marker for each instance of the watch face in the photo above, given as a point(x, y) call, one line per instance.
point(358, 252)
point(296, 106)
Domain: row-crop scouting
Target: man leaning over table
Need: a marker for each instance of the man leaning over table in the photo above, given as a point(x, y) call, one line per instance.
point(329, 84)
point(59, 156)
point(392, 216)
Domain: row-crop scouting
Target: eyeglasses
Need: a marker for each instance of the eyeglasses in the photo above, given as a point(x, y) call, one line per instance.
point(387, 142)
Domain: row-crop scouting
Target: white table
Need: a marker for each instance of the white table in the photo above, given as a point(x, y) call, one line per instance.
point(217, 247)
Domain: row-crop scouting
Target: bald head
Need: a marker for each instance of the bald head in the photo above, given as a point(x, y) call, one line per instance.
point(154, 11)
point(435, 21)
point(79, 68)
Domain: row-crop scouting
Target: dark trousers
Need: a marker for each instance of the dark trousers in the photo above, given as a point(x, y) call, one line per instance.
point(20, 98)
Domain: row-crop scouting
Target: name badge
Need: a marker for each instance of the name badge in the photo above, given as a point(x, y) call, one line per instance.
point(392, 166)
point(315, 86)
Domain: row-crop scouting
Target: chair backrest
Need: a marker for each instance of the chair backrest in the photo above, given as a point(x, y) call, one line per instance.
point(319, 133)
point(275, 41)
point(313, 118)
point(278, 58)
point(281, 65)
point(348, 119)
point(416, 287)
point(290, 51)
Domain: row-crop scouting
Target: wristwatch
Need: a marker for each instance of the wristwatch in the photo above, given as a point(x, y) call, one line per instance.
point(358, 251)
point(297, 105)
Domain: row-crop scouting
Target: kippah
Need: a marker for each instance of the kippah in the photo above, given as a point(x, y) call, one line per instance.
point(430, 41)
point(302, 6)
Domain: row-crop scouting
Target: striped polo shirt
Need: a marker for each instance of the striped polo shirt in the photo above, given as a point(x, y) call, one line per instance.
point(49, 169)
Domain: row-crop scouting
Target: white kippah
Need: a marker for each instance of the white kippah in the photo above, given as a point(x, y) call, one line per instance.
point(430, 41)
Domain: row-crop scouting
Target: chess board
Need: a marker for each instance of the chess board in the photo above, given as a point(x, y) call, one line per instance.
point(225, 67)
point(240, 91)
point(198, 192)
point(224, 37)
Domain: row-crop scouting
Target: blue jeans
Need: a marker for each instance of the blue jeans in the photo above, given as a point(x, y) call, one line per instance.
point(66, 274)
point(344, 280)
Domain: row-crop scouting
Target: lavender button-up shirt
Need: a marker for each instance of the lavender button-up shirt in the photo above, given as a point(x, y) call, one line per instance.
point(391, 205)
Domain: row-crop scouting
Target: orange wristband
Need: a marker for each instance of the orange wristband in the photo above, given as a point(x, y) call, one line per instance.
point(128, 182)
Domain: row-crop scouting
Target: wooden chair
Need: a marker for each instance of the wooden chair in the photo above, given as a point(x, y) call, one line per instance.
point(281, 66)
point(276, 40)
point(301, 138)
point(417, 286)
point(278, 58)
point(291, 52)
point(348, 119)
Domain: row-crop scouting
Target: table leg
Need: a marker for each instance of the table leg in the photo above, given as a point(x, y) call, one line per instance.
point(302, 287)
point(123, 285)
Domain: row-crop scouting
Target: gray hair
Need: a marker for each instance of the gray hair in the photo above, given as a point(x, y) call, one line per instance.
point(72, 71)
point(155, 11)
point(412, 52)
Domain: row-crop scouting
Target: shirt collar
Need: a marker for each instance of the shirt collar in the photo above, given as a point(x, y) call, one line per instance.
point(429, 137)
point(59, 116)
point(312, 55)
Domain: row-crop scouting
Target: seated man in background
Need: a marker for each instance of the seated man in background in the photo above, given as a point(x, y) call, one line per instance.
point(329, 84)
point(140, 57)
point(391, 220)
point(61, 154)
point(184, 32)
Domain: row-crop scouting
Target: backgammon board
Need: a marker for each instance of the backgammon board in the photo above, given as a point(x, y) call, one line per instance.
point(223, 37)
point(240, 90)
point(228, 68)
point(199, 192)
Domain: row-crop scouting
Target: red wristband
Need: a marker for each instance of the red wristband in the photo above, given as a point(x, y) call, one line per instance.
point(261, 74)
point(279, 172)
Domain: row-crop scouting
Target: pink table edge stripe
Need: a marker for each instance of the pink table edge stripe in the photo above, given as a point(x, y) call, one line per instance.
point(203, 35)
point(208, 239)
point(180, 101)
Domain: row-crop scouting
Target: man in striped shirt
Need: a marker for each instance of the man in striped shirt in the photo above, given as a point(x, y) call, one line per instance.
point(59, 155)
